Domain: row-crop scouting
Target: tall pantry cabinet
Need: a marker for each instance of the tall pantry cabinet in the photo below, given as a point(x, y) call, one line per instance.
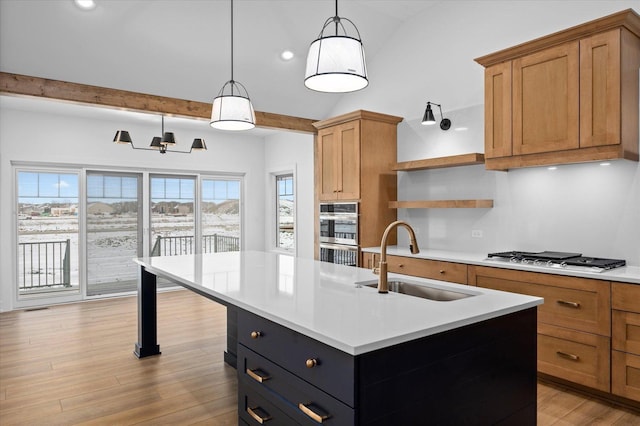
point(354, 158)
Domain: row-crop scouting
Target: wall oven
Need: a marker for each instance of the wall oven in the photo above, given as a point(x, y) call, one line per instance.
point(339, 233)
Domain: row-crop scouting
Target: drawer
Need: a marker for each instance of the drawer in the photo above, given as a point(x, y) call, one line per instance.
point(625, 297)
point(255, 408)
point(576, 303)
point(575, 356)
point(625, 331)
point(259, 373)
point(331, 369)
point(425, 268)
point(625, 375)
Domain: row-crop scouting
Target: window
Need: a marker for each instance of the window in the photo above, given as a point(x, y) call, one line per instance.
point(172, 219)
point(114, 231)
point(285, 212)
point(220, 215)
point(47, 257)
point(63, 254)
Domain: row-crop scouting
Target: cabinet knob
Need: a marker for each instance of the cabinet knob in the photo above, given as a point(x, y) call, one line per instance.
point(442, 271)
point(401, 265)
point(255, 334)
point(311, 362)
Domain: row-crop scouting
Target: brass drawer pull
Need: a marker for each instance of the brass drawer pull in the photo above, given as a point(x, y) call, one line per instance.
point(255, 334)
point(258, 414)
point(575, 305)
point(311, 362)
point(258, 375)
point(318, 417)
point(566, 355)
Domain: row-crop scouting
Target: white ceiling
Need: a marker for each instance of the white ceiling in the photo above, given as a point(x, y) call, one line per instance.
point(181, 48)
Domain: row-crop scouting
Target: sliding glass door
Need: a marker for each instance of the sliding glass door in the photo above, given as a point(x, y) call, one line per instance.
point(114, 232)
point(172, 215)
point(47, 222)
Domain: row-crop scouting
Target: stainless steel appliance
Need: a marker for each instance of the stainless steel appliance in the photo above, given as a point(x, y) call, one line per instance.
point(340, 253)
point(558, 260)
point(339, 233)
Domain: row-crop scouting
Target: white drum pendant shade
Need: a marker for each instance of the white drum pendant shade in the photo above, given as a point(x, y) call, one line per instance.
point(336, 64)
point(232, 113)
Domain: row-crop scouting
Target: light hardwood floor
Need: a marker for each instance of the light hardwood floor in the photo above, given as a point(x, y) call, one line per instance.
point(74, 364)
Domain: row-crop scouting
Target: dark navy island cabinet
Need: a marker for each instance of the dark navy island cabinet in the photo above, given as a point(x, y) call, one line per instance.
point(480, 374)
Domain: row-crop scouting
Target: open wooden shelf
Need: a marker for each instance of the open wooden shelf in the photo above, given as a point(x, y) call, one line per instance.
point(441, 162)
point(442, 204)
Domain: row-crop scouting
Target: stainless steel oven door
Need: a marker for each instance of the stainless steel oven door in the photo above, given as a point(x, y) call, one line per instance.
point(340, 254)
point(339, 229)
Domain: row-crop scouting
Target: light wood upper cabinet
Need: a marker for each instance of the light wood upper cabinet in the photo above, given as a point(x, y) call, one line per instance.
point(600, 91)
point(568, 97)
point(545, 100)
point(339, 158)
point(355, 156)
point(497, 105)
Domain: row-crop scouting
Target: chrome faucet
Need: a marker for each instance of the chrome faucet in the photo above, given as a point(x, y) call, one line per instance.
point(381, 270)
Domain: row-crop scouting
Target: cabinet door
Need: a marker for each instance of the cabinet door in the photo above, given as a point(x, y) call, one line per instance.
point(339, 162)
point(546, 100)
point(348, 182)
point(600, 89)
point(328, 150)
point(497, 111)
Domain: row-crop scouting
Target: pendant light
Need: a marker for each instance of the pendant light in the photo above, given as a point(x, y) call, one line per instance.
point(232, 109)
point(336, 62)
point(160, 143)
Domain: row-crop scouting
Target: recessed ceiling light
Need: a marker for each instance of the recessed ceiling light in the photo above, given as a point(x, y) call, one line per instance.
point(287, 55)
point(605, 164)
point(85, 4)
point(552, 168)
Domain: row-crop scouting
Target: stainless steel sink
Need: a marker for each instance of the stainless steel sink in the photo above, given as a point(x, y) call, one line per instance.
point(419, 290)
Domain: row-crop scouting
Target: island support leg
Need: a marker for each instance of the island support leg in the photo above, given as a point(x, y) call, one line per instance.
point(147, 344)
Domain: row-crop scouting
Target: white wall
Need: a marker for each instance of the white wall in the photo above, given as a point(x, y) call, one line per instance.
point(56, 137)
point(293, 151)
point(587, 208)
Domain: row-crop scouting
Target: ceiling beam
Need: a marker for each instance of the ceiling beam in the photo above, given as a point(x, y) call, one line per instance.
point(24, 85)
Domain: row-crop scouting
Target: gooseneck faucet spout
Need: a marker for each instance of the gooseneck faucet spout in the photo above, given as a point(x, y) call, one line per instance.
point(381, 270)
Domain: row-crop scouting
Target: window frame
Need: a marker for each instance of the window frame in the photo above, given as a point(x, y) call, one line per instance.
point(273, 227)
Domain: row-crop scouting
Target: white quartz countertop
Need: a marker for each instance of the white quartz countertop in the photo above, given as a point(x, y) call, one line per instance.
point(627, 274)
point(321, 300)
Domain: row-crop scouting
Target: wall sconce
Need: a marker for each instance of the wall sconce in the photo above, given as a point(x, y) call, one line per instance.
point(160, 143)
point(429, 119)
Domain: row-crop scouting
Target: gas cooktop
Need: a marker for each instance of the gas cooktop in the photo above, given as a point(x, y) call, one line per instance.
point(558, 260)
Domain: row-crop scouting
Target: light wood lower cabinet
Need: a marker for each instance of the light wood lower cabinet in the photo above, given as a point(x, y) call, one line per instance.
point(625, 375)
point(575, 356)
point(574, 323)
point(424, 268)
point(625, 356)
point(575, 303)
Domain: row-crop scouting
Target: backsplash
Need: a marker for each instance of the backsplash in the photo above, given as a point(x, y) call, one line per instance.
point(589, 208)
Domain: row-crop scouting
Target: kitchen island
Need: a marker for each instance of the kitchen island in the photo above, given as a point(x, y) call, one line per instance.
point(315, 345)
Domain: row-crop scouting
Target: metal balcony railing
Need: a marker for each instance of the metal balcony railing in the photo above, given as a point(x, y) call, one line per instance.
point(44, 264)
point(173, 246)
